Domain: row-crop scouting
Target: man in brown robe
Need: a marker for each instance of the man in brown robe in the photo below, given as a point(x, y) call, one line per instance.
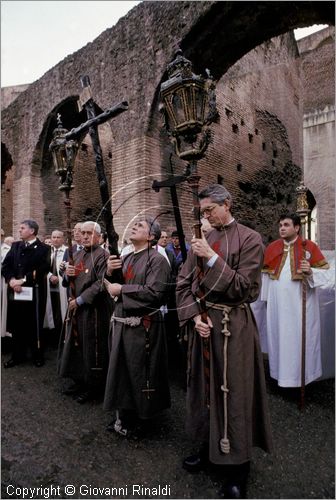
point(83, 355)
point(137, 380)
point(232, 416)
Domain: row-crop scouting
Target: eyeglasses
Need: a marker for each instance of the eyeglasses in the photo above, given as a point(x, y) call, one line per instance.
point(208, 210)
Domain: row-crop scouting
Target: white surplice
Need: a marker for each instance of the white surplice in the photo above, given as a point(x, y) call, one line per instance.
point(48, 318)
point(284, 326)
point(4, 333)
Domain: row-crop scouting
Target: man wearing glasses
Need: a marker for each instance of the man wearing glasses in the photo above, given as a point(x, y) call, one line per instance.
point(226, 410)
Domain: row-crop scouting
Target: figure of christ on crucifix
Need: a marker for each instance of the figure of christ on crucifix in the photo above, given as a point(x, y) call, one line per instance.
point(137, 381)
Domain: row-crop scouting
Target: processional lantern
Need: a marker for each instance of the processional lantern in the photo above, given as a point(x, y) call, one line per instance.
point(63, 153)
point(189, 106)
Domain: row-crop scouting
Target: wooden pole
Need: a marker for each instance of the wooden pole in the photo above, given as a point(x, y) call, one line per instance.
point(193, 181)
point(302, 210)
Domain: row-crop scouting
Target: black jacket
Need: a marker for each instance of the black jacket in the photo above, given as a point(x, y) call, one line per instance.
point(32, 262)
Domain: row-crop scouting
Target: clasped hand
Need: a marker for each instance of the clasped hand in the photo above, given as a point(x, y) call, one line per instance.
point(114, 289)
point(201, 248)
point(70, 270)
point(113, 262)
point(16, 285)
point(203, 329)
point(305, 267)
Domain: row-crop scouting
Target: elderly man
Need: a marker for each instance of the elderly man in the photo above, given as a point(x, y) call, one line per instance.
point(137, 381)
point(57, 302)
point(226, 392)
point(25, 268)
point(83, 355)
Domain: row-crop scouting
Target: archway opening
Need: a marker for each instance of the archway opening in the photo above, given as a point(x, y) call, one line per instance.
point(85, 197)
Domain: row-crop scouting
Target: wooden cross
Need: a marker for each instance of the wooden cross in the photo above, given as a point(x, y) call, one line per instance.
point(86, 102)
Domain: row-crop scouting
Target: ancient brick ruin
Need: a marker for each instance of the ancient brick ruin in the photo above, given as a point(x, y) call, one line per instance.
point(257, 148)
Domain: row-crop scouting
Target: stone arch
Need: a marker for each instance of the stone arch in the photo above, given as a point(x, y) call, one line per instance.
point(228, 33)
point(85, 198)
point(128, 61)
point(246, 25)
point(6, 189)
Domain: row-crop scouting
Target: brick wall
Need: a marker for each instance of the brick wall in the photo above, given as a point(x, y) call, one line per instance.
point(9, 94)
point(317, 53)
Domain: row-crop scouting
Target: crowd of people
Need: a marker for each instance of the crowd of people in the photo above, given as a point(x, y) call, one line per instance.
point(117, 322)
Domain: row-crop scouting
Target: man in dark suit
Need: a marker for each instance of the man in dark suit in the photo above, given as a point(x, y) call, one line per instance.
point(77, 241)
point(174, 246)
point(25, 269)
point(174, 341)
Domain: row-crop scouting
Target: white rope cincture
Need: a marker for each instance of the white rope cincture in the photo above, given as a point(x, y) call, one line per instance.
point(131, 320)
point(224, 443)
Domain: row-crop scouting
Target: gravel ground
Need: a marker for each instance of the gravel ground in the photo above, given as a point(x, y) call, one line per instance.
point(49, 441)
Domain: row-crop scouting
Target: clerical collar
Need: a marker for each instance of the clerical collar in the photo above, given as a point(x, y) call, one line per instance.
point(226, 225)
point(288, 243)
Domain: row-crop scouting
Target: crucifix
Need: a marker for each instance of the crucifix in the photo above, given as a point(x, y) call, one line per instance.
point(172, 182)
point(86, 102)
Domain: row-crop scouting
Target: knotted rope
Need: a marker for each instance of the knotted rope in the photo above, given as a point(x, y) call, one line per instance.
point(224, 442)
point(131, 320)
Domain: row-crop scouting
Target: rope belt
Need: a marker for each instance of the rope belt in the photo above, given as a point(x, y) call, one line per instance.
point(224, 443)
point(136, 321)
point(131, 320)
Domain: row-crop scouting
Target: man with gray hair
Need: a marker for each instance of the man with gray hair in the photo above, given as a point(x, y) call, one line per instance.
point(226, 401)
point(57, 301)
point(137, 381)
point(83, 354)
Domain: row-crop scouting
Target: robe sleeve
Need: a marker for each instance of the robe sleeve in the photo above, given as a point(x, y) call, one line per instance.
point(153, 294)
point(265, 279)
point(319, 277)
point(243, 283)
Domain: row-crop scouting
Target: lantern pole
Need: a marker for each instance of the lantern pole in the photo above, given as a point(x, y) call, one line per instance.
point(186, 97)
point(64, 154)
point(303, 210)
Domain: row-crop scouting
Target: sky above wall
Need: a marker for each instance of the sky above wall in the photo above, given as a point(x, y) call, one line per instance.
point(36, 35)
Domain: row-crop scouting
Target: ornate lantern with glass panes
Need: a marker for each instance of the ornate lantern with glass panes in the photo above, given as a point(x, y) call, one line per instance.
point(189, 105)
point(63, 153)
